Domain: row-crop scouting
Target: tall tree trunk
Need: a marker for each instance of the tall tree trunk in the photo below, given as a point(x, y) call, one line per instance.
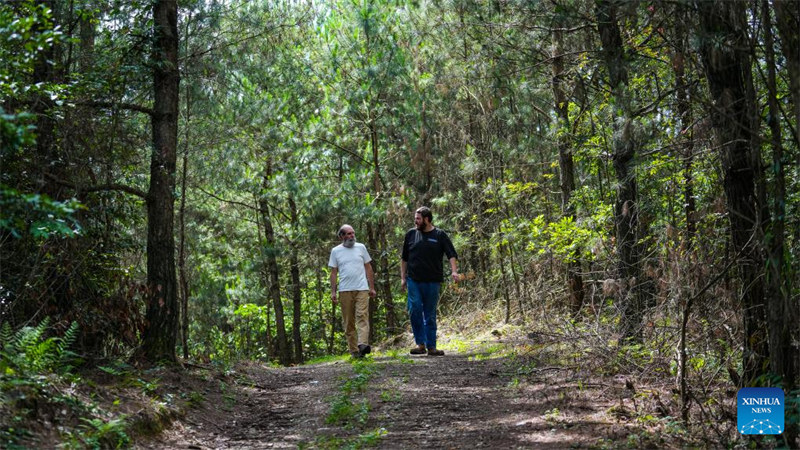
point(787, 18)
point(685, 134)
point(184, 282)
point(87, 34)
point(296, 288)
point(626, 208)
point(162, 301)
point(565, 162)
point(50, 155)
point(273, 271)
point(723, 47)
point(779, 309)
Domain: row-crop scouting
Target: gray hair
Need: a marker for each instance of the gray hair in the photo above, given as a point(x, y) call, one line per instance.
point(341, 231)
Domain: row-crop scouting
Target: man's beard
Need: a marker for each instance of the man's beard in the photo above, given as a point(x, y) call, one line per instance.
point(421, 226)
point(349, 243)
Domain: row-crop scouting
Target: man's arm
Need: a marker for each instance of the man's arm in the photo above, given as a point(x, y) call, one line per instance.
point(403, 267)
point(452, 256)
point(334, 273)
point(454, 269)
point(370, 279)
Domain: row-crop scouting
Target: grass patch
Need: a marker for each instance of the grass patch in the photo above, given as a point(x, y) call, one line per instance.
point(400, 356)
point(363, 440)
point(350, 409)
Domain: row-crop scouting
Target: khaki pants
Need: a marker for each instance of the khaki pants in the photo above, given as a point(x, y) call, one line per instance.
point(355, 317)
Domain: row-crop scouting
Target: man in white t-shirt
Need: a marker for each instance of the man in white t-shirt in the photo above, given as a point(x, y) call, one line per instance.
point(351, 263)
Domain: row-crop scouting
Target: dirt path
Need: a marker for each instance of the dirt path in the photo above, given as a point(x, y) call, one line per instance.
point(456, 401)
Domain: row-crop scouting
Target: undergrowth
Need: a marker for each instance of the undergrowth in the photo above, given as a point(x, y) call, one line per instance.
point(642, 375)
point(46, 401)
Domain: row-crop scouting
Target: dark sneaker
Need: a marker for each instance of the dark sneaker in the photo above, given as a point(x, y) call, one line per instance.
point(418, 350)
point(356, 355)
point(435, 352)
point(363, 349)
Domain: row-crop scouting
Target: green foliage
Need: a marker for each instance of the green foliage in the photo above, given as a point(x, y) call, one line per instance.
point(16, 131)
point(565, 239)
point(344, 411)
point(99, 434)
point(363, 440)
point(28, 352)
point(37, 215)
point(30, 363)
point(26, 30)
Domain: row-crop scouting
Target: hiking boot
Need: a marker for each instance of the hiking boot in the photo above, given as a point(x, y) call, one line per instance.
point(418, 350)
point(435, 352)
point(363, 349)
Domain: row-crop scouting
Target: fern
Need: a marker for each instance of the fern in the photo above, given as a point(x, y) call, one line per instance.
point(5, 335)
point(26, 339)
point(65, 357)
point(26, 351)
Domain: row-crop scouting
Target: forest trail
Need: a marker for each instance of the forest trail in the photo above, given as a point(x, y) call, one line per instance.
point(453, 402)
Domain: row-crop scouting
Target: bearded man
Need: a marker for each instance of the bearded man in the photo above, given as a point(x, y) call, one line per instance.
point(350, 263)
point(421, 274)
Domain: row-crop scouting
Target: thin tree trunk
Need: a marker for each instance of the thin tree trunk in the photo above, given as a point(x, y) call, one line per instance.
point(686, 134)
point(376, 238)
point(566, 165)
point(779, 311)
point(723, 47)
point(273, 271)
point(158, 342)
point(506, 295)
point(296, 289)
point(626, 208)
point(385, 284)
point(320, 302)
point(262, 245)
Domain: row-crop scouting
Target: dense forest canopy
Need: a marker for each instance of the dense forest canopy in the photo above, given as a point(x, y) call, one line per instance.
point(174, 172)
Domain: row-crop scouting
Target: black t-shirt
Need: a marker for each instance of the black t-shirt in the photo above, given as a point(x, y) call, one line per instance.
point(423, 252)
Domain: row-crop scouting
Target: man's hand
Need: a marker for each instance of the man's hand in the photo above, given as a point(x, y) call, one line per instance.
point(372, 292)
point(403, 284)
point(333, 298)
point(456, 277)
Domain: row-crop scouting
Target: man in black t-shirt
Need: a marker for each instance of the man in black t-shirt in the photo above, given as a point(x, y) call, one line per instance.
point(421, 274)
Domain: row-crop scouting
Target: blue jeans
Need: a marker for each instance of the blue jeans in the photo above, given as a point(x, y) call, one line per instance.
point(422, 300)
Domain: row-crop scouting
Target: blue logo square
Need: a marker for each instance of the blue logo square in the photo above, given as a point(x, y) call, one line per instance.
point(760, 411)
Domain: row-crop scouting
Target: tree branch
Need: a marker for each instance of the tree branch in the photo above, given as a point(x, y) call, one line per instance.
point(100, 187)
point(234, 202)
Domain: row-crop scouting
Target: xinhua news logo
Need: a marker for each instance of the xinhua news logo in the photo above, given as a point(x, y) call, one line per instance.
point(760, 411)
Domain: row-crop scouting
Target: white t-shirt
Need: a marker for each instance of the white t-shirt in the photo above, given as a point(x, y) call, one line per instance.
point(350, 262)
